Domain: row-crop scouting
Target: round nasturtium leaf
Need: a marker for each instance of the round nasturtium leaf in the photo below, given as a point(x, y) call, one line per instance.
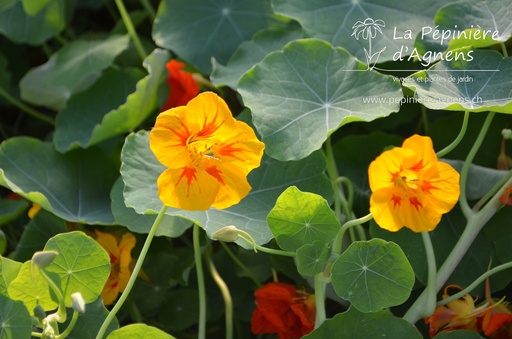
point(32, 288)
point(139, 331)
point(355, 324)
point(477, 84)
point(15, 321)
point(74, 186)
point(301, 218)
point(197, 30)
point(300, 95)
point(82, 265)
point(312, 258)
point(373, 275)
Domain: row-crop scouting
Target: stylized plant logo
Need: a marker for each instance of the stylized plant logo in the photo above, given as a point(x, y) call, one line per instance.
point(367, 29)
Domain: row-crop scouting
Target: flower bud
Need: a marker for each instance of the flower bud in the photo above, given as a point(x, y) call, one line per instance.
point(78, 303)
point(43, 258)
point(507, 133)
point(39, 312)
point(226, 234)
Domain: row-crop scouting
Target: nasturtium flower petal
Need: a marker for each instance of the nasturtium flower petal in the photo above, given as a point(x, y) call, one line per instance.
point(183, 87)
point(410, 187)
point(208, 154)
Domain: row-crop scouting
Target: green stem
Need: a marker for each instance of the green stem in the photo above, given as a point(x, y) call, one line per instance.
point(131, 29)
point(61, 311)
point(134, 275)
point(475, 283)
point(200, 283)
point(350, 188)
point(237, 261)
point(496, 188)
point(266, 249)
point(332, 172)
point(149, 9)
point(504, 49)
point(228, 302)
point(463, 201)
point(320, 299)
point(345, 227)
point(457, 140)
point(25, 108)
point(70, 327)
point(431, 295)
point(473, 227)
point(37, 334)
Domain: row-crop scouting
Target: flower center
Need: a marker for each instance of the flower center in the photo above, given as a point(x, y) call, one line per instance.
point(407, 179)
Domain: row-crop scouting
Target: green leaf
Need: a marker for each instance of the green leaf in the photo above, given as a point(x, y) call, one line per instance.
point(312, 258)
point(333, 21)
point(11, 209)
point(301, 218)
point(20, 27)
point(355, 324)
point(198, 30)
point(6, 3)
point(15, 321)
point(141, 223)
point(73, 68)
point(251, 52)
point(316, 89)
point(139, 331)
point(373, 275)
point(476, 85)
point(76, 123)
point(489, 16)
point(88, 324)
point(180, 309)
point(37, 232)
point(32, 7)
point(140, 170)
point(459, 334)
point(74, 186)
point(32, 288)
point(82, 265)
point(9, 270)
point(85, 122)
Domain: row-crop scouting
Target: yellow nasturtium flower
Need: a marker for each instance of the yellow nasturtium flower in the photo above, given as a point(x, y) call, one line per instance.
point(207, 152)
point(119, 251)
point(410, 187)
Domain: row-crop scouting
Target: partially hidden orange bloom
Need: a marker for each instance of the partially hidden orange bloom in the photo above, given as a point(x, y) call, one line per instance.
point(183, 87)
point(410, 187)
point(492, 318)
point(506, 197)
point(281, 309)
point(119, 249)
point(207, 152)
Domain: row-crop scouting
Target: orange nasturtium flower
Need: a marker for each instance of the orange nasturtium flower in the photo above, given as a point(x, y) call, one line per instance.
point(281, 309)
point(506, 197)
point(410, 187)
point(207, 152)
point(183, 87)
point(119, 251)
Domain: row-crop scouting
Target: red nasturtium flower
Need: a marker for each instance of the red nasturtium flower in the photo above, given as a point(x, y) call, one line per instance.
point(281, 309)
point(410, 187)
point(183, 87)
point(492, 318)
point(119, 249)
point(207, 152)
